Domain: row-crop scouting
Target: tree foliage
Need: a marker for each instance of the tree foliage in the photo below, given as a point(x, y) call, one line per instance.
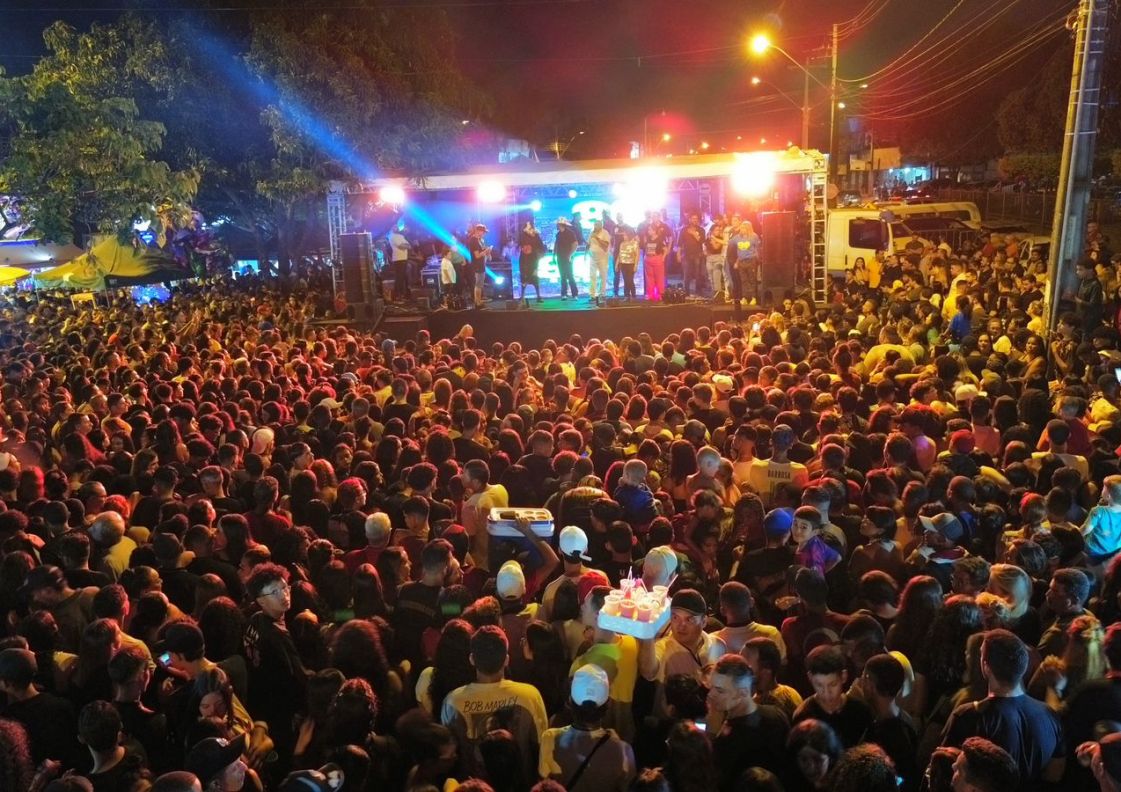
point(1031, 119)
point(76, 147)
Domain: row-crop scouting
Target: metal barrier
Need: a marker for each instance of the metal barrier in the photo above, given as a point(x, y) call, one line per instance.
point(1032, 208)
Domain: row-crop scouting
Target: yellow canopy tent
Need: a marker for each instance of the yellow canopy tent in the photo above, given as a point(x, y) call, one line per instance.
point(9, 275)
point(108, 257)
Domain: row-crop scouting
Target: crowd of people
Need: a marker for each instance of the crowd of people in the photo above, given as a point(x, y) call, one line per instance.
point(247, 547)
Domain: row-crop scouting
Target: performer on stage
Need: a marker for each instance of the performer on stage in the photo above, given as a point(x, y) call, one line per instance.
point(744, 249)
point(530, 251)
point(654, 240)
point(563, 248)
point(480, 253)
point(599, 259)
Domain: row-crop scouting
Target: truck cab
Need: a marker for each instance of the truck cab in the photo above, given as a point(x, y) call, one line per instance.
point(853, 234)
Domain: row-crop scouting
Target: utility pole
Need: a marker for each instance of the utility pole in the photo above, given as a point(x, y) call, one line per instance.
point(806, 105)
point(1068, 227)
point(833, 110)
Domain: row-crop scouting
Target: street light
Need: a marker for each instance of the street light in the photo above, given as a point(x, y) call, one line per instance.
point(666, 137)
point(756, 80)
point(760, 43)
point(840, 105)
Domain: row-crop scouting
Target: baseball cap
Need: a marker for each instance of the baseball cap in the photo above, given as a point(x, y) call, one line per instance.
point(778, 522)
point(664, 556)
point(590, 683)
point(574, 544)
point(328, 778)
point(962, 441)
point(588, 581)
point(510, 581)
point(966, 392)
point(213, 755)
point(945, 523)
point(690, 601)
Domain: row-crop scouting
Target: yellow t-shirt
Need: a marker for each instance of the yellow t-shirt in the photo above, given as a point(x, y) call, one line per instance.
point(619, 660)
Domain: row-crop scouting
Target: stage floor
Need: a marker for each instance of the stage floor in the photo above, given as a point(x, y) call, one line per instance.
point(558, 319)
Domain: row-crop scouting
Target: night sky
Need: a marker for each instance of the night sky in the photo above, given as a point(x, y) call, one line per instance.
point(555, 67)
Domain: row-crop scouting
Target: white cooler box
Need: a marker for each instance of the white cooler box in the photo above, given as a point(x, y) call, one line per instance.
point(503, 522)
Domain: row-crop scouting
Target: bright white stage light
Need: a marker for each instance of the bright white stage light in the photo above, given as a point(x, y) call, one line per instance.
point(754, 174)
point(571, 193)
point(535, 206)
point(492, 192)
point(392, 194)
point(499, 280)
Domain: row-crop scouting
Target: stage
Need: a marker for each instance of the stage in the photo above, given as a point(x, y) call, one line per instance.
point(559, 319)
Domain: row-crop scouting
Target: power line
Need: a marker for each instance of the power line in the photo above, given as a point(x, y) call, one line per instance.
point(865, 17)
point(1004, 62)
point(924, 37)
point(418, 5)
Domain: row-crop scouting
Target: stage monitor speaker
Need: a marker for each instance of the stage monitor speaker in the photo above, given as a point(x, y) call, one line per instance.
point(356, 252)
point(779, 254)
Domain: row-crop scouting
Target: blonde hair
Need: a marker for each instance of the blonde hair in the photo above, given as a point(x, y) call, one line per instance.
point(1083, 656)
point(1013, 585)
point(995, 610)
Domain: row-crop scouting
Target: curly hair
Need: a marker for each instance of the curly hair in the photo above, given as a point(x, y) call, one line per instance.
point(16, 769)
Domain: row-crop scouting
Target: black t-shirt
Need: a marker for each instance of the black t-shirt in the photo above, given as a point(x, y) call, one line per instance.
point(764, 572)
point(149, 729)
point(851, 722)
point(81, 578)
point(277, 679)
point(417, 609)
point(51, 724)
point(467, 449)
point(1087, 705)
point(755, 740)
point(1024, 727)
point(899, 740)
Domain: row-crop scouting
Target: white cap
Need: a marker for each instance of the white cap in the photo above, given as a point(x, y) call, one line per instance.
point(590, 683)
point(661, 556)
point(574, 543)
point(510, 581)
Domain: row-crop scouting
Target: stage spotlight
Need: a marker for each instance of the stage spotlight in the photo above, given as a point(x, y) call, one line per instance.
point(491, 192)
point(535, 206)
point(754, 174)
point(571, 193)
point(392, 194)
point(499, 280)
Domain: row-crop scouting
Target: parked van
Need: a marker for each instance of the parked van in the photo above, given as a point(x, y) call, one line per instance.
point(965, 211)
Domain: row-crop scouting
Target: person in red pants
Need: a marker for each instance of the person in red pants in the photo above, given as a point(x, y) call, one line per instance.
point(654, 241)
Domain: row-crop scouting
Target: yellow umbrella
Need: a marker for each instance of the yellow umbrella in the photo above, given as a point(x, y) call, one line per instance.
point(9, 275)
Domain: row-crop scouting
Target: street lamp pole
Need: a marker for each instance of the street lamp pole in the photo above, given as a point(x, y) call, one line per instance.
point(761, 43)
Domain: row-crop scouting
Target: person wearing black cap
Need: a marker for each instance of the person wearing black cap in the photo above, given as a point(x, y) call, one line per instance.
point(687, 649)
point(218, 764)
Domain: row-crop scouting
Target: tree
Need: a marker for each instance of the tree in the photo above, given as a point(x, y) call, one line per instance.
point(76, 147)
point(1031, 119)
point(296, 100)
